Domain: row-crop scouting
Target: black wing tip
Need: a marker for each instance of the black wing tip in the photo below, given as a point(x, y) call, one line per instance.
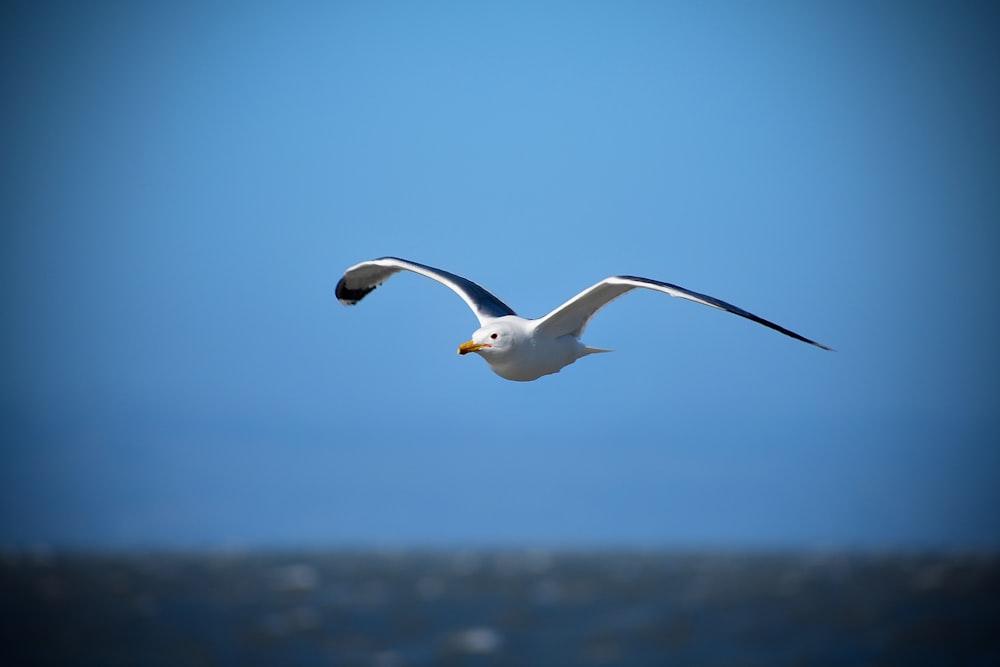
point(787, 332)
point(348, 296)
point(796, 336)
point(807, 340)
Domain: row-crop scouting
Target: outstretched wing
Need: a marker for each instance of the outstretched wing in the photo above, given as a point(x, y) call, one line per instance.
point(362, 278)
point(572, 317)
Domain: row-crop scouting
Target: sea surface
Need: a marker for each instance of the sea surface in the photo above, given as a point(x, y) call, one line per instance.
point(506, 607)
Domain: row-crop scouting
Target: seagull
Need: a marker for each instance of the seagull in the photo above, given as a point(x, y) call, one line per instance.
point(521, 349)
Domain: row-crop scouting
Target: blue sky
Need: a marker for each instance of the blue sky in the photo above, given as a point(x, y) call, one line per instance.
point(182, 187)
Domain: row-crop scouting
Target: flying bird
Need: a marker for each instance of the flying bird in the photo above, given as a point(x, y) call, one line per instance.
point(523, 349)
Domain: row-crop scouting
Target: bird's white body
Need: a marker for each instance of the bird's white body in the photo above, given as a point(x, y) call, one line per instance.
point(518, 353)
point(523, 349)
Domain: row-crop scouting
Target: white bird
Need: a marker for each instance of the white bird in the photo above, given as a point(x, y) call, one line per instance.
point(523, 349)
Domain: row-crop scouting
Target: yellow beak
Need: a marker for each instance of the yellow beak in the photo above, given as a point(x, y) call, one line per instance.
point(469, 346)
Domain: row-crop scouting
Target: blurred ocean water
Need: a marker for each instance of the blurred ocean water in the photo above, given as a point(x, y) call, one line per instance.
point(508, 607)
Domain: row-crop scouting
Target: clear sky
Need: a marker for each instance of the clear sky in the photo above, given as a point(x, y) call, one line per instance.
point(183, 185)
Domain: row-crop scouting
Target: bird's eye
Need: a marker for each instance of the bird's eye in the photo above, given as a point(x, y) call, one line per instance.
point(494, 336)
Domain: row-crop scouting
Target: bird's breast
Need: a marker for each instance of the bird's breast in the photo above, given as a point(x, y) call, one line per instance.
point(534, 358)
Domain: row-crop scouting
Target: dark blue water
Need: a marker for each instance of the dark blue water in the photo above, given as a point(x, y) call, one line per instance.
point(389, 609)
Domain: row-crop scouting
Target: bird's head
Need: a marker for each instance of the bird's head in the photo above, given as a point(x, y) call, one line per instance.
point(491, 341)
